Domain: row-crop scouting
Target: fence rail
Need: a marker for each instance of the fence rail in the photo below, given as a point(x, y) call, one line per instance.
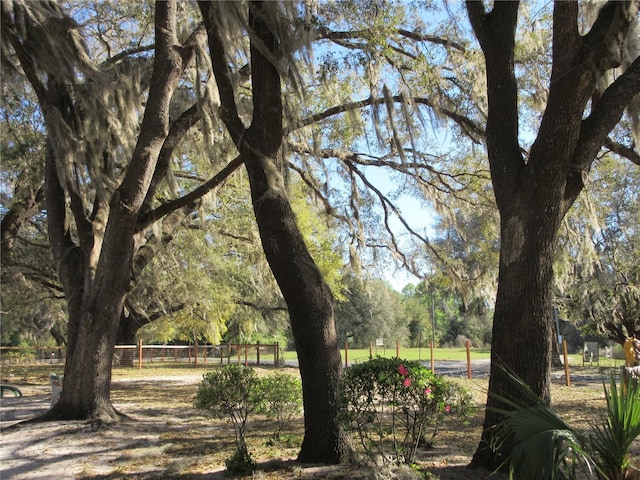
point(20, 355)
point(138, 355)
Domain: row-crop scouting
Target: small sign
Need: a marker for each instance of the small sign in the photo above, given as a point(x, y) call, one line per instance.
point(379, 342)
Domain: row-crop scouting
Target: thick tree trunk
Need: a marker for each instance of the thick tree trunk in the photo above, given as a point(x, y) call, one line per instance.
point(86, 389)
point(523, 322)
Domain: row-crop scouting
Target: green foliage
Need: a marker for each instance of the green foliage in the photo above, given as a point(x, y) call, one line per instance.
point(372, 309)
point(281, 399)
point(597, 265)
point(232, 392)
point(241, 461)
point(319, 233)
point(390, 403)
point(235, 392)
point(548, 448)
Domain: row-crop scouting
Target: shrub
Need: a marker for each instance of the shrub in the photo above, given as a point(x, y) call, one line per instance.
point(547, 447)
point(281, 399)
point(389, 404)
point(235, 392)
point(232, 392)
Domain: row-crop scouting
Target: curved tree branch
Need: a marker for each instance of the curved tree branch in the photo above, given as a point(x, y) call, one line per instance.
point(189, 199)
point(474, 131)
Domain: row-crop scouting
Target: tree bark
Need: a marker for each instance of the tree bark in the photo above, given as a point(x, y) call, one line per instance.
point(97, 274)
point(307, 295)
point(533, 195)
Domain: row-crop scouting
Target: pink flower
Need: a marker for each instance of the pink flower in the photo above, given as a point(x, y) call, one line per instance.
point(427, 391)
point(407, 382)
point(447, 408)
point(402, 370)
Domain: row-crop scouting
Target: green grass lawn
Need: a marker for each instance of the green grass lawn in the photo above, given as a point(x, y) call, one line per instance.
point(424, 354)
point(456, 354)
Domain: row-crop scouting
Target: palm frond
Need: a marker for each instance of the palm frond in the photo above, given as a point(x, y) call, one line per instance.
point(543, 443)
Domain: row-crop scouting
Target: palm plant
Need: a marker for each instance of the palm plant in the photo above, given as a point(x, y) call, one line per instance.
point(546, 447)
point(612, 439)
point(543, 444)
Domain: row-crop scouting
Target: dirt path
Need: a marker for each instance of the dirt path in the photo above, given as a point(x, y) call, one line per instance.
point(74, 450)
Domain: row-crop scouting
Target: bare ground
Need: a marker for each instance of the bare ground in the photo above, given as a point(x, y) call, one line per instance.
point(167, 438)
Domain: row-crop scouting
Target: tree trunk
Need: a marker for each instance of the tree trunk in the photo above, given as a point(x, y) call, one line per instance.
point(522, 323)
point(306, 293)
point(310, 305)
point(127, 330)
point(86, 389)
point(86, 393)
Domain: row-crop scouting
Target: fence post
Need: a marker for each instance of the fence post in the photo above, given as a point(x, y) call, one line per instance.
point(276, 354)
point(246, 355)
point(195, 353)
point(468, 345)
point(258, 352)
point(397, 349)
point(566, 363)
point(346, 354)
point(139, 354)
point(370, 350)
point(433, 360)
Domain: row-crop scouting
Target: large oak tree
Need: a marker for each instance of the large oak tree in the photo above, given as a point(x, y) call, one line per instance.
point(94, 245)
point(533, 193)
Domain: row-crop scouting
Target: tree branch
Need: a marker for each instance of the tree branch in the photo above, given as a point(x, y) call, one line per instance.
point(178, 130)
point(606, 114)
point(189, 199)
point(222, 73)
point(338, 37)
point(474, 131)
point(496, 33)
point(622, 150)
point(601, 47)
point(126, 53)
point(22, 211)
point(566, 39)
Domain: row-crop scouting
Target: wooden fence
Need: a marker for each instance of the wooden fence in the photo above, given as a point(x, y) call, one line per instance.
point(138, 355)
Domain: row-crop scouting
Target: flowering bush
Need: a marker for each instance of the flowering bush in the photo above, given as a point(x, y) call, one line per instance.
point(389, 404)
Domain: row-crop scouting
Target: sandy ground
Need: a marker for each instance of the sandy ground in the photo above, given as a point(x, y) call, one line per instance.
point(168, 439)
point(74, 450)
